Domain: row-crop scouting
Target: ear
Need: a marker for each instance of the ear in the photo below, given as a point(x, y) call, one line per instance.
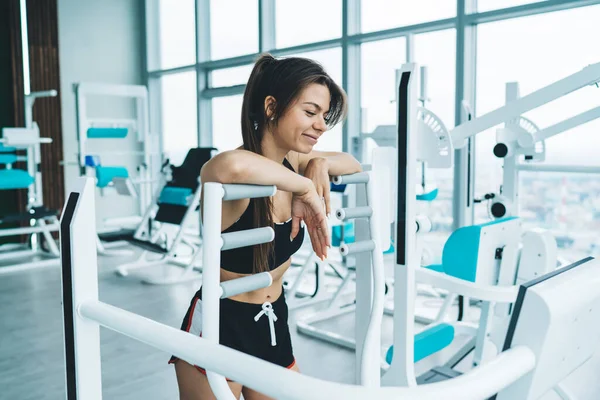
point(270, 103)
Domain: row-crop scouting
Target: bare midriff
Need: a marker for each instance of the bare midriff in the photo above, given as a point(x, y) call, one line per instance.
point(259, 296)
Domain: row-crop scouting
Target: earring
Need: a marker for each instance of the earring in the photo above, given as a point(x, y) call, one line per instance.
point(272, 118)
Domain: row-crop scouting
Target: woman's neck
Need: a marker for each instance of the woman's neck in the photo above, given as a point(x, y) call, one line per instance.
point(271, 149)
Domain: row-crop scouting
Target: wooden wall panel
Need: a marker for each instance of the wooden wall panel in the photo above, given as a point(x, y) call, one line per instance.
point(44, 74)
point(42, 21)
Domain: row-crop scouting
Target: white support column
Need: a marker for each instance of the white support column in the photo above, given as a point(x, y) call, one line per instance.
point(80, 284)
point(211, 281)
point(510, 171)
point(464, 166)
point(401, 371)
point(364, 280)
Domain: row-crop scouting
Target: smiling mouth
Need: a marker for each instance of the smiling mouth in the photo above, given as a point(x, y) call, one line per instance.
point(311, 138)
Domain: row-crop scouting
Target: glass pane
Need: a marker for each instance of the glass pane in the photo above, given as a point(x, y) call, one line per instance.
point(534, 53)
point(226, 122)
point(228, 19)
point(308, 21)
point(379, 62)
point(378, 15)
point(179, 109)
point(177, 34)
point(231, 76)
point(331, 60)
point(566, 205)
point(437, 52)
point(488, 5)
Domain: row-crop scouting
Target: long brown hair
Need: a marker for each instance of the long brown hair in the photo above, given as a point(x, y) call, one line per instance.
point(284, 79)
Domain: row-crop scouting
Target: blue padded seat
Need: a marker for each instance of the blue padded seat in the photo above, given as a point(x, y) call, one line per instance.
point(435, 267)
point(107, 133)
point(175, 195)
point(461, 251)
point(14, 179)
point(105, 175)
point(429, 196)
point(336, 234)
point(428, 342)
point(7, 154)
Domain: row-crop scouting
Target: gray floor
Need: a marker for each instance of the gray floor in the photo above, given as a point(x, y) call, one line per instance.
point(31, 341)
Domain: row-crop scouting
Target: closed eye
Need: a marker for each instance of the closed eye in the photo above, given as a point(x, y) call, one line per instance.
point(310, 113)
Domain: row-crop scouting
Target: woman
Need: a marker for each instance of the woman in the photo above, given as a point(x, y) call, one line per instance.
point(288, 104)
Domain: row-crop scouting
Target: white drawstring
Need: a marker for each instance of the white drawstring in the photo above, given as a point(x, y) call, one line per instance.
point(267, 309)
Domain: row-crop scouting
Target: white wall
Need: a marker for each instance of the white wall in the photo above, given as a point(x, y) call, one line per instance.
point(100, 41)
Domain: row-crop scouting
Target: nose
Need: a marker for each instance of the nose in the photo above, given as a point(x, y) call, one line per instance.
point(320, 125)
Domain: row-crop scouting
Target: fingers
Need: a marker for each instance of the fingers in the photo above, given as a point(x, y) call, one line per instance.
point(313, 234)
point(319, 232)
point(326, 195)
point(325, 237)
point(295, 228)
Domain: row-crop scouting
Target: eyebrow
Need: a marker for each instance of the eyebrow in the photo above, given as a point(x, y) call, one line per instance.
point(314, 104)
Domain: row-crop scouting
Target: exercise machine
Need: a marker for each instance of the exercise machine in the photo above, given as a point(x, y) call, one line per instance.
point(535, 356)
point(41, 220)
point(166, 226)
point(401, 371)
point(102, 138)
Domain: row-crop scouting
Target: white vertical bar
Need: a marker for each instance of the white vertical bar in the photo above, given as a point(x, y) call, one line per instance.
point(211, 278)
point(81, 126)
point(364, 285)
point(410, 48)
point(370, 370)
point(80, 268)
point(401, 371)
point(25, 49)
point(510, 172)
point(482, 333)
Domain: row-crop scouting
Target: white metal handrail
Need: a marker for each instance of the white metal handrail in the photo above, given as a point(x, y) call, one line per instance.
point(479, 383)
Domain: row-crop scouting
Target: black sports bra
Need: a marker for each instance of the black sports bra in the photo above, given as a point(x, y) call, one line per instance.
point(240, 260)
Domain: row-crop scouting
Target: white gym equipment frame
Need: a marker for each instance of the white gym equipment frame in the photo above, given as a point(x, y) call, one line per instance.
point(521, 146)
point(28, 138)
point(183, 237)
point(303, 261)
point(372, 215)
point(401, 371)
point(537, 353)
point(145, 185)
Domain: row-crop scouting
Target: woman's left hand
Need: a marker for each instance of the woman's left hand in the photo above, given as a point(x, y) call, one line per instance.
point(317, 170)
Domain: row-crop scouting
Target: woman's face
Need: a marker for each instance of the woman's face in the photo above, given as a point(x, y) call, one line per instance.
point(300, 128)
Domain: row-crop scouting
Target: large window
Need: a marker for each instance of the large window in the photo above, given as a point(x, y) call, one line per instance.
point(436, 51)
point(379, 62)
point(178, 113)
point(489, 5)
point(176, 34)
point(534, 53)
point(231, 76)
point(378, 15)
point(308, 21)
point(226, 122)
point(233, 28)
point(567, 205)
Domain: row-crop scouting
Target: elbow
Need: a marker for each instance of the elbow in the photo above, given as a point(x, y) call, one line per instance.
point(357, 165)
point(223, 168)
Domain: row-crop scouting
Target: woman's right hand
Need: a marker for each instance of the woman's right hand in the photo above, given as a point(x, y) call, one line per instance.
point(309, 207)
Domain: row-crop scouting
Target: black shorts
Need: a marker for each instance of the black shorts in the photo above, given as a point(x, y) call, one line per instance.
point(239, 330)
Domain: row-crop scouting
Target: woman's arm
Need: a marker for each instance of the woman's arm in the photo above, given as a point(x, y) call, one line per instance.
point(318, 166)
point(242, 166)
point(245, 167)
point(337, 163)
